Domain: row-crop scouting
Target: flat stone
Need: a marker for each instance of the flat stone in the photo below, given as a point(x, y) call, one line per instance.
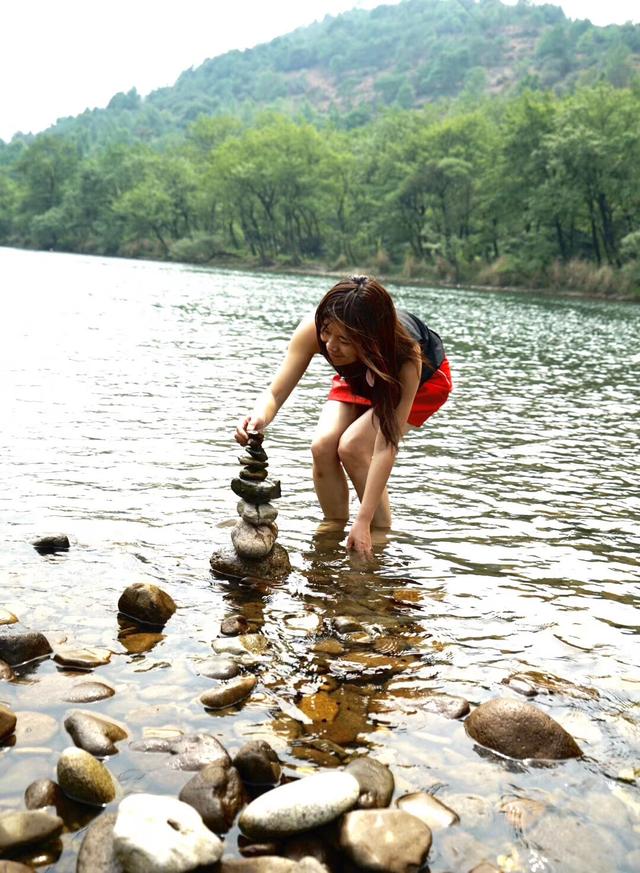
point(97, 852)
point(218, 668)
point(234, 625)
point(263, 513)
point(157, 834)
point(19, 646)
point(42, 792)
point(258, 763)
point(217, 793)
point(88, 692)
point(19, 829)
point(7, 617)
point(35, 728)
point(227, 563)
point(520, 730)
point(51, 543)
point(147, 604)
point(256, 452)
point(435, 814)
point(6, 673)
point(229, 693)
point(328, 647)
point(446, 705)
point(81, 659)
point(256, 492)
point(256, 438)
point(253, 541)
point(82, 777)
point(250, 474)
point(387, 840)
point(7, 722)
point(191, 752)
point(299, 806)
point(375, 780)
point(94, 734)
point(248, 460)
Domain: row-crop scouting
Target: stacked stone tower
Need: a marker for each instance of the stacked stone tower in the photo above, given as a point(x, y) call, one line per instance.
point(255, 534)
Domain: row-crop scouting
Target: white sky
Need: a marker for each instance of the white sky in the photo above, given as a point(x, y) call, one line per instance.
point(58, 57)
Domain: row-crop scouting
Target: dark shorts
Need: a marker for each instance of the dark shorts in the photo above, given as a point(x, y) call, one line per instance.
point(429, 397)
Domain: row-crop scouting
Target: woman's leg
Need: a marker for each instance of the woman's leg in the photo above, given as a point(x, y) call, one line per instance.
point(328, 476)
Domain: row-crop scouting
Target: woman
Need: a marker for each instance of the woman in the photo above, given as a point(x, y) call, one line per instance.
point(392, 374)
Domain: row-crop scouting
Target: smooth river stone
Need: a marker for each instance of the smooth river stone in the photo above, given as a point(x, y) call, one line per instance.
point(234, 625)
point(229, 693)
point(191, 752)
point(82, 777)
point(20, 646)
point(375, 780)
point(218, 668)
point(258, 763)
point(94, 734)
point(261, 514)
point(253, 644)
point(253, 542)
point(88, 692)
point(81, 659)
point(147, 603)
point(248, 461)
point(6, 673)
point(428, 809)
point(256, 452)
point(19, 829)
point(51, 543)
point(7, 722)
point(157, 834)
point(300, 806)
point(228, 564)
point(388, 840)
point(217, 793)
point(7, 617)
point(520, 730)
point(446, 705)
point(252, 475)
point(256, 492)
point(97, 853)
point(42, 792)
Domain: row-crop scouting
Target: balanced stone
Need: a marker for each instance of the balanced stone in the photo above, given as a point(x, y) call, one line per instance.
point(258, 763)
point(253, 542)
point(256, 492)
point(7, 722)
point(19, 829)
point(257, 453)
point(82, 777)
point(388, 840)
point(250, 475)
point(260, 514)
point(97, 852)
point(229, 693)
point(19, 646)
point(94, 734)
point(47, 545)
point(253, 463)
point(430, 810)
point(227, 563)
point(157, 834)
point(300, 806)
point(520, 730)
point(375, 780)
point(81, 659)
point(217, 793)
point(256, 439)
point(147, 603)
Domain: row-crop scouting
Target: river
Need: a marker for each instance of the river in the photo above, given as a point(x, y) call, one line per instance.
point(514, 548)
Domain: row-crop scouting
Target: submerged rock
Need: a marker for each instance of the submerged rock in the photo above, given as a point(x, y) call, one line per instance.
point(18, 829)
point(375, 780)
point(87, 692)
point(520, 730)
point(82, 777)
point(234, 625)
point(385, 840)
point(51, 543)
point(19, 646)
point(217, 793)
point(446, 705)
point(258, 763)
point(435, 814)
point(229, 693)
point(191, 752)
point(147, 603)
point(227, 563)
point(218, 668)
point(81, 659)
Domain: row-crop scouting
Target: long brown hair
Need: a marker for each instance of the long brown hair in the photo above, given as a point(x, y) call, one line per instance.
point(365, 311)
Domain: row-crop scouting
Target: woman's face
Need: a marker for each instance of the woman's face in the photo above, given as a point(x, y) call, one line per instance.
point(340, 349)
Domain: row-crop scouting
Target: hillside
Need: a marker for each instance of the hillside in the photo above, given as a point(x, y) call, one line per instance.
point(351, 66)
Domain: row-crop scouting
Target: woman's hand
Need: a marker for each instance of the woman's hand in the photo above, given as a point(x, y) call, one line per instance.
point(248, 424)
point(359, 539)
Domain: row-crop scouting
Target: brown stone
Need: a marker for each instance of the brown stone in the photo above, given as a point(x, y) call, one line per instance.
point(227, 563)
point(147, 603)
point(217, 793)
point(7, 722)
point(228, 693)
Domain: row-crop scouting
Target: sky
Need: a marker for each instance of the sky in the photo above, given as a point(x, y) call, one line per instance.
point(59, 57)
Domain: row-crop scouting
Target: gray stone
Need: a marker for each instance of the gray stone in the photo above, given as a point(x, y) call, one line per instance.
point(435, 814)
point(82, 777)
point(227, 563)
point(88, 692)
point(157, 834)
point(19, 829)
point(229, 693)
point(258, 764)
point(18, 646)
point(7, 722)
point(264, 513)
point(299, 806)
point(94, 734)
point(81, 659)
point(256, 492)
point(388, 840)
point(375, 780)
point(147, 604)
point(446, 705)
point(217, 793)
point(248, 460)
point(520, 730)
point(42, 792)
point(218, 668)
point(249, 474)
point(97, 852)
point(190, 752)
point(234, 625)
point(253, 541)
point(51, 543)
point(6, 673)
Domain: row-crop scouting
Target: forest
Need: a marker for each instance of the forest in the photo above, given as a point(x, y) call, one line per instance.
point(535, 185)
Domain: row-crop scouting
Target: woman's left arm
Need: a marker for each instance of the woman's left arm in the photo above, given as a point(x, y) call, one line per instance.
point(382, 461)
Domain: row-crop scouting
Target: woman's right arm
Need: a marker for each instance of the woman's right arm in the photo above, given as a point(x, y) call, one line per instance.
point(302, 347)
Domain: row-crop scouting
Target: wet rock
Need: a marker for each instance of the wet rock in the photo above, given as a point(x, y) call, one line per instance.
point(43, 792)
point(7, 722)
point(522, 812)
point(94, 734)
point(190, 752)
point(6, 673)
point(328, 647)
point(258, 764)
point(218, 668)
point(34, 728)
point(146, 603)
point(264, 513)
point(82, 659)
point(375, 780)
point(234, 625)
point(256, 492)
point(320, 707)
point(251, 644)
point(248, 460)
point(485, 867)
point(385, 839)
point(18, 829)
point(51, 543)
point(271, 864)
point(435, 814)
point(82, 777)
point(137, 643)
point(227, 563)
point(88, 692)
point(570, 843)
point(253, 542)
point(345, 624)
point(299, 806)
point(97, 852)
point(7, 617)
point(14, 867)
point(217, 794)
point(229, 693)
point(155, 834)
point(253, 474)
point(257, 453)
point(446, 705)
point(520, 685)
point(520, 730)
point(19, 646)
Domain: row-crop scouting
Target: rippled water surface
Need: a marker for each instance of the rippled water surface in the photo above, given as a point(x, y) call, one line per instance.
point(514, 548)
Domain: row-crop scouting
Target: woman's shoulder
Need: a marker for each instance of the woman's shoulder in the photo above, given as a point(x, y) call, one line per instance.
point(305, 335)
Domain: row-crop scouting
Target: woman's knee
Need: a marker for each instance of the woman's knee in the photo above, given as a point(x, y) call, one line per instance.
point(351, 451)
point(324, 448)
